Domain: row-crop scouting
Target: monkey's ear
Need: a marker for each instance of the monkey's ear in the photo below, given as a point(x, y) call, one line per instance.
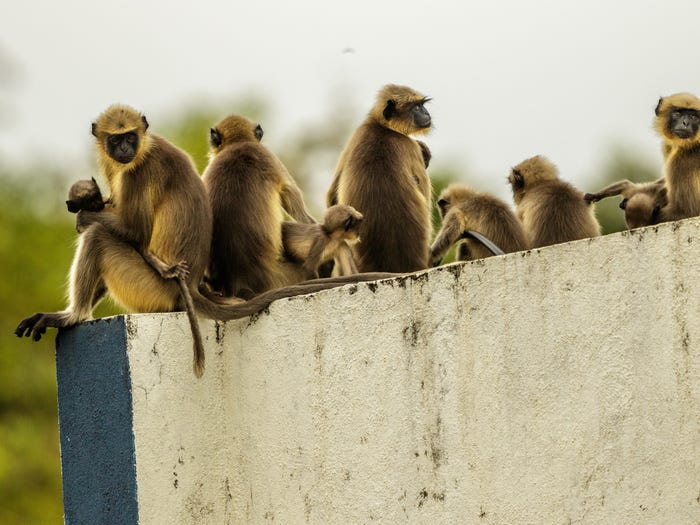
point(94, 129)
point(389, 109)
point(145, 122)
point(215, 137)
point(658, 106)
point(518, 180)
point(258, 132)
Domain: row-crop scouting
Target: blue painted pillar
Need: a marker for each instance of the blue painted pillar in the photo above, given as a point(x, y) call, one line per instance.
point(96, 424)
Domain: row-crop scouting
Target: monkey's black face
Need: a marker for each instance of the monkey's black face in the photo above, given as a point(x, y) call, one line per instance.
point(352, 223)
point(684, 123)
point(123, 147)
point(421, 117)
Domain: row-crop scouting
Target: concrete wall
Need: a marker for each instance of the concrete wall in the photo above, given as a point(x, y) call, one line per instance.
point(556, 386)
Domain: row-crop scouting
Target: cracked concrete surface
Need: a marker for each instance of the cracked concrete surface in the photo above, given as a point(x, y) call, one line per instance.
point(559, 385)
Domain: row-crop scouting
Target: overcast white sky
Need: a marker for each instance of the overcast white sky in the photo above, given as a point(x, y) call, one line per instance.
point(509, 79)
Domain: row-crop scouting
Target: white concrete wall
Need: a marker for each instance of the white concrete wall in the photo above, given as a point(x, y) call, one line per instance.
point(555, 386)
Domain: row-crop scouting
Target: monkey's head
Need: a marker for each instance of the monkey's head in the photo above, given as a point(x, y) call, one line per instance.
point(343, 220)
point(453, 195)
point(233, 129)
point(529, 173)
point(85, 195)
point(644, 207)
point(401, 109)
point(678, 117)
point(120, 132)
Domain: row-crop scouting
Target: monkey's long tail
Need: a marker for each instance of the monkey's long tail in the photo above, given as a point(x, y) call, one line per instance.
point(198, 361)
point(222, 312)
point(489, 245)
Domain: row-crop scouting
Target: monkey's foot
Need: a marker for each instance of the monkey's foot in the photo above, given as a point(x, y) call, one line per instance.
point(37, 324)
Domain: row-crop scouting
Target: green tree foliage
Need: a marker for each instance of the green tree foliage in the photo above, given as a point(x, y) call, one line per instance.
point(36, 247)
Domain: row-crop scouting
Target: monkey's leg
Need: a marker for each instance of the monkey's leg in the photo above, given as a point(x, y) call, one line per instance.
point(313, 259)
point(85, 289)
point(614, 189)
point(450, 233)
point(345, 261)
point(463, 252)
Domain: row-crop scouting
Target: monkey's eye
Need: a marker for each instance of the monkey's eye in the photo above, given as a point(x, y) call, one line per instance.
point(131, 137)
point(675, 114)
point(114, 140)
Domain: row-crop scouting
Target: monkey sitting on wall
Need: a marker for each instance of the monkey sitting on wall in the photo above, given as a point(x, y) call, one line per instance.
point(678, 122)
point(159, 211)
point(381, 173)
point(642, 202)
point(85, 195)
point(551, 211)
point(463, 209)
point(249, 191)
point(312, 245)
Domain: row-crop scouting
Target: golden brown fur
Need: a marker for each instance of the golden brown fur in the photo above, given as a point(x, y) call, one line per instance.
point(249, 190)
point(155, 234)
point(312, 245)
point(643, 202)
point(681, 150)
point(552, 211)
point(463, 208)
point(381, 173)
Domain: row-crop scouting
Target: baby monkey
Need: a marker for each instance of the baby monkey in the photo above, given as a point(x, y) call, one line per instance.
point(312, 245)
point(85, 195)
point(643, 202)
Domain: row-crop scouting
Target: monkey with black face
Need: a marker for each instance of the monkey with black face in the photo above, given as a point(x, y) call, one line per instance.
point(157, 228)
point(551, 211)
point(381, 173)
point(249, 190)
point(678, 121)
point(85, 195)
point(312, 245)
point(464, 209)
point(643, 202)
point(159, 206)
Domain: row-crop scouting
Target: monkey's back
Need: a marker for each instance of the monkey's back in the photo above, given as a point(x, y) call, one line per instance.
point(494, 219)
point(554, 212)
point(243, 183)
point(382, 175)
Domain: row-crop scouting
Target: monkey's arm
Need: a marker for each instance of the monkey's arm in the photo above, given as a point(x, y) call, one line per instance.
point(313, 259)
point(449, 234)
point(293, 203)
point(110, 222)
point(425, 150)
point(614, 189)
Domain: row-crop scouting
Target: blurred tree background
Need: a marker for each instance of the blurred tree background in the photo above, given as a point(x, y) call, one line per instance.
point(36, 246)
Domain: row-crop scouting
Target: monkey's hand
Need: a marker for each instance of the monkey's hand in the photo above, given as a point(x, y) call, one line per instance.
point(591, 197)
